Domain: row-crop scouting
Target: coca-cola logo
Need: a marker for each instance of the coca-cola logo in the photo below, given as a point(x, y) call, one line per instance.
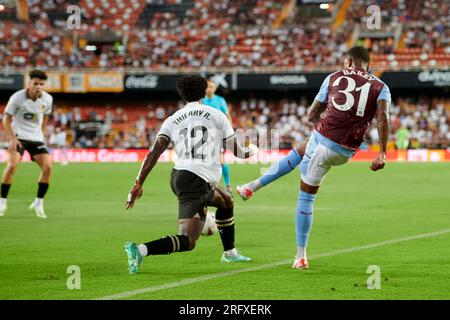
point(142, 82)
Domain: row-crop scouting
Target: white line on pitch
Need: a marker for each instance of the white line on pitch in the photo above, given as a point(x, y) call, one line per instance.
point(185, 282)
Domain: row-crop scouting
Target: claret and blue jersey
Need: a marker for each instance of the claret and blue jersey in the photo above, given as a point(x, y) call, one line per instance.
point(351, 96)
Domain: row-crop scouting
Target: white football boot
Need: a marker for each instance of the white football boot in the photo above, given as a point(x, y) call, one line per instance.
point(3, 207)
point(301, 263)
point(38, 207)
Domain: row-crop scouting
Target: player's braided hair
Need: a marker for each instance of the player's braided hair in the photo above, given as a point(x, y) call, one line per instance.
point(38, 74)
point(191, 88)
point(360, 54)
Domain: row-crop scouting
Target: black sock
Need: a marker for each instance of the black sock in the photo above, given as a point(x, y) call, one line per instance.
point(5, 190)
point(168, 244)
point(42, 189)
point(225, 224)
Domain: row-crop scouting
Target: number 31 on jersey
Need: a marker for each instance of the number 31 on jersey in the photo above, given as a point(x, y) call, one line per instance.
point(350, 99)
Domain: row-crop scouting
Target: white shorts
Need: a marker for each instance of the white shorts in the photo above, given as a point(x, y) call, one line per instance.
point(316, 162)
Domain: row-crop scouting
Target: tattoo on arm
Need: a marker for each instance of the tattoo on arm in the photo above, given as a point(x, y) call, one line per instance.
point(160, 145)
point(383, 124)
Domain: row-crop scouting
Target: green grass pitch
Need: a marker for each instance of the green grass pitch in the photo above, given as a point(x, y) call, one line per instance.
point(88, 226)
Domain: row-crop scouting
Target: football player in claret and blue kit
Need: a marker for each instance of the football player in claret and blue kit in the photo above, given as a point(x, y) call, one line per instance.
point(342, 111)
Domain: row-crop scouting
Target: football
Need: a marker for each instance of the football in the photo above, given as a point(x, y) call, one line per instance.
point(210, 226)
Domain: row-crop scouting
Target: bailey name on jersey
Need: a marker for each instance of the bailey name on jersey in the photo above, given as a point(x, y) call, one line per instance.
point(363, 74)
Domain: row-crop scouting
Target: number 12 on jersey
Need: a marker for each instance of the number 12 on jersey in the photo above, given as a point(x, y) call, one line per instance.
point(194, 141)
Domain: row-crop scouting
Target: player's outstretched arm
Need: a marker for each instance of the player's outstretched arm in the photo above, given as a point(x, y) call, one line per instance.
point(240, 151)
point(383, 134)
point(315, 111)
point(160, 145)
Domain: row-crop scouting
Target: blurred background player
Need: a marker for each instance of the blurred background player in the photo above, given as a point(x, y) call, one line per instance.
point(60, 142)
point(352, 97)
point(25, 121)
point(402, 136)
point(217, 102)
point(195, 177)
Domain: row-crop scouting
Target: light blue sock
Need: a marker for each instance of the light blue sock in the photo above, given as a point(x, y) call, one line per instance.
point(226, 173)
point(304, 221)
point(280, 168)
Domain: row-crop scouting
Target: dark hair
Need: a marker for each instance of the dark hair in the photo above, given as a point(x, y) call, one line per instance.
point(38, 74)
point(359, 54)
point(191, 88)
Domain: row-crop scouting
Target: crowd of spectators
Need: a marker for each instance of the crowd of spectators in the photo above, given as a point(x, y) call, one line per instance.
point(427, 120)
point(229, 33)
point(109, 127)
point(425, 23)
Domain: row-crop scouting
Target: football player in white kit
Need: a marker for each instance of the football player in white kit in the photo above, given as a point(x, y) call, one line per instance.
point(198, 133)
point(60, 142)
point(24, 121)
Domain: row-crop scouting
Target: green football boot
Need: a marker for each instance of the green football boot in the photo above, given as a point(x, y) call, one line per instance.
point(235, 258)
point(134, 257)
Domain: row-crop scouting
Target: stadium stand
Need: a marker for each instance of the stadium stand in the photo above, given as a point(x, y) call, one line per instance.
point(197, 35)
point(160, 35)
point(135, 126)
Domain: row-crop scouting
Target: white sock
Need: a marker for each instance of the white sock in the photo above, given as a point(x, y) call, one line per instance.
point(142, 250)
point(3, 200)
point(301, 253)
point(39, 201)
point(254, 185)
point(232, 252)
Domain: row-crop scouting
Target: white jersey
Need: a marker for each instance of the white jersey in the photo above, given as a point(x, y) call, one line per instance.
point(198, 133)
point(61, 138)
point(28, 115)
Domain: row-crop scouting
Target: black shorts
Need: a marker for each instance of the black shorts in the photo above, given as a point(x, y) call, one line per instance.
point(33, 147)
point(193, 193)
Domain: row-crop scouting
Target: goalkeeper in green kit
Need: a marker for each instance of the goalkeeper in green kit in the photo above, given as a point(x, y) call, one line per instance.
point(402, 138)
